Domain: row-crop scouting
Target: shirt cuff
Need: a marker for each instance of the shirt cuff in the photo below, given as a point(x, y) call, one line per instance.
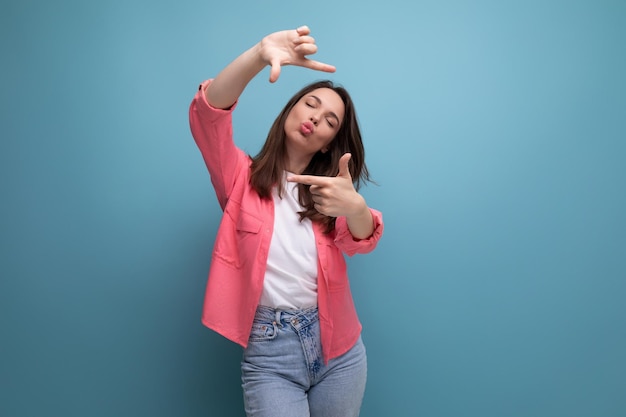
point(347, 243)
point(209, 111)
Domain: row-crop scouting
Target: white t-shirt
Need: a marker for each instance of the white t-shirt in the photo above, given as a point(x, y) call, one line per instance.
point(291, 274)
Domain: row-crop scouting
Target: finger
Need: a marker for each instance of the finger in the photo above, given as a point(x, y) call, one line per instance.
point(307, 179)
point(303, 30)
point(320, 209)
point(317, 199)
point(274, 71)
point(306, 48)
point(344, 166)
point(304, 39)
point(318, 66)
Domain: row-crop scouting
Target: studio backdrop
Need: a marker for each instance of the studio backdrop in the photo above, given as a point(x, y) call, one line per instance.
point(495, 132)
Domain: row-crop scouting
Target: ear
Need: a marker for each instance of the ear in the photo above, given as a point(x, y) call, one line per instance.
point(324, 149)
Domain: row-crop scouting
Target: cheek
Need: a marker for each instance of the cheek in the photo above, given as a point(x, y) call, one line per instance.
point(289, 122)
point(328, 138)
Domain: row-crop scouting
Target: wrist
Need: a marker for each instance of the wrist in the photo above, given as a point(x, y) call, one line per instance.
point(255, 57)
point(360, 207)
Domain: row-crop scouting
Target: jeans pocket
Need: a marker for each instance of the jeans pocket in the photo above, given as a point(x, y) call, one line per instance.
point(263, 330)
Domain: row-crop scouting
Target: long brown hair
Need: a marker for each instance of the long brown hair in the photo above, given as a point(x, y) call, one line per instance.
point(268, 165)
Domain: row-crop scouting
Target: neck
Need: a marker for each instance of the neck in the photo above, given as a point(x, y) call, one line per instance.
point(296, 165)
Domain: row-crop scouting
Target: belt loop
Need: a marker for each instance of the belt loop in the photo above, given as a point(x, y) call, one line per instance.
point(277, 319)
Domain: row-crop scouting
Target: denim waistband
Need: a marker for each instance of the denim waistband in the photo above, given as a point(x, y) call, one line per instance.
point(299, 318)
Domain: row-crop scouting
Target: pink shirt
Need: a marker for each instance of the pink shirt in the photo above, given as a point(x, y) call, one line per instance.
point(243, 239)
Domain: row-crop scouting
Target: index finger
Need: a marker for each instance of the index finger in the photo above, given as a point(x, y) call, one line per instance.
point(307, 179)
point(318, 66)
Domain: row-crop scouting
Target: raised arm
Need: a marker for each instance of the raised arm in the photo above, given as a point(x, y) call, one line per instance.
point(287, 47)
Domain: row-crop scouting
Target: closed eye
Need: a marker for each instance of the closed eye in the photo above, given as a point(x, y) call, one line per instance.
point(313, 102)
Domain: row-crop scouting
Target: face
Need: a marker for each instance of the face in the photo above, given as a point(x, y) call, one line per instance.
point(313, 122)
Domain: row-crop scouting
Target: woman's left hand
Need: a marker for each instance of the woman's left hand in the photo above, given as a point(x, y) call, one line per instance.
point(334, 196)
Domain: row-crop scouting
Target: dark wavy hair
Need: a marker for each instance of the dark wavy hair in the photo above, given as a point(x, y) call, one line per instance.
point(269, 164)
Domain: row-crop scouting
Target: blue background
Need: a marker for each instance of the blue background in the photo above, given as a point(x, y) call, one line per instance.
point(494, 129)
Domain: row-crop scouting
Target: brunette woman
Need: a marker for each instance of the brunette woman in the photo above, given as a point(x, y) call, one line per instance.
point(278, 283)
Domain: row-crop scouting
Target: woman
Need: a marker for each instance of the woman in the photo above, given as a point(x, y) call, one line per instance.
point(277, 283)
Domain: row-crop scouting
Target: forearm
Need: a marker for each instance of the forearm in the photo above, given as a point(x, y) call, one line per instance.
point(361, 223)
point(226, 88)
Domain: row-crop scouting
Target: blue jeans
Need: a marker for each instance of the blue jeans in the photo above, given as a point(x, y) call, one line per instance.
point(283, 373)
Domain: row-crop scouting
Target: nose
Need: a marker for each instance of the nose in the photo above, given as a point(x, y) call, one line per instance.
point(314, 119)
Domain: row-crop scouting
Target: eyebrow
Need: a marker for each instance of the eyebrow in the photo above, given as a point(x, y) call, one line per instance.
point(331, 113)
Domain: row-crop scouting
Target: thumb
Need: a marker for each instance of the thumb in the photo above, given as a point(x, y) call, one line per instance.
point(274, 71)
point(344, 170)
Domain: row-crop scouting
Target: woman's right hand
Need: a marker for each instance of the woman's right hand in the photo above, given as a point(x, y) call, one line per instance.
point(290, 47)
point(287, 47)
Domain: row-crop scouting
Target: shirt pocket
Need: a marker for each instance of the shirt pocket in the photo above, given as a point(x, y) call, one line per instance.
point(238, 238)
point(248, 223)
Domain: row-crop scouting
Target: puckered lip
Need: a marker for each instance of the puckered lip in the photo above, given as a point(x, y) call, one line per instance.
point(307, 128)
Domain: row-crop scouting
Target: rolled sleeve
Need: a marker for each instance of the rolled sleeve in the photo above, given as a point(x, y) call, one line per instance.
point(212, 130)
point(204, 110)
point(350, 245)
